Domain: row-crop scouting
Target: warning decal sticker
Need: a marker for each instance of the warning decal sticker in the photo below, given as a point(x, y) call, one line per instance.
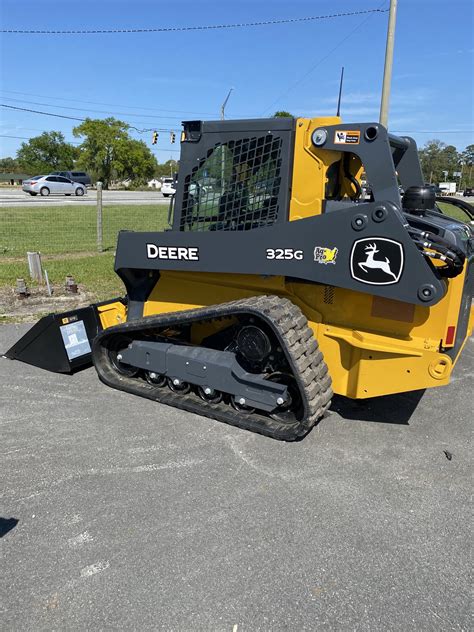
point(347, 137)
point(75, 339)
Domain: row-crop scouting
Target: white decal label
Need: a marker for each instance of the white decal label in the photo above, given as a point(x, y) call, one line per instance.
point(283, 254)
point(343, 137)
point(172, 253)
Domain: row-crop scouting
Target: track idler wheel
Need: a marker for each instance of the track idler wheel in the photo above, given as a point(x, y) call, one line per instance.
point(178, 386)
point(292, 409)
point(155, 379)
point(117, 344)
point(209, 395)
point(238, 403)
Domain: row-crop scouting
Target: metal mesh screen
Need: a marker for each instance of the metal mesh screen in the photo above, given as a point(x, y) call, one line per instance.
point(235, 187)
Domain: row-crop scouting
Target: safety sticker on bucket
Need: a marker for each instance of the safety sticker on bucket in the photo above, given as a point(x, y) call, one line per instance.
point(75, 339)
point(346, 137)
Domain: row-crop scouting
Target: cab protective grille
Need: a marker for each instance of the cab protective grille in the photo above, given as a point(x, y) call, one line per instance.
point(235, 186)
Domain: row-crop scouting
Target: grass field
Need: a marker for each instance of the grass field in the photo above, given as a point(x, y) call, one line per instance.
point(66, 236)
point(452, 211)
point(67, 229)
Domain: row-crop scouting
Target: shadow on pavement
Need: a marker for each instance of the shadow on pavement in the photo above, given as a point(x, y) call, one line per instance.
point(6, 525)
point(389, 409)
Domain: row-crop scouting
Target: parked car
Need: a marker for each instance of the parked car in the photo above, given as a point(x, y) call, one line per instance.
point(168, 187)
point(54, 185)
point(75, 176)
point(468, 192)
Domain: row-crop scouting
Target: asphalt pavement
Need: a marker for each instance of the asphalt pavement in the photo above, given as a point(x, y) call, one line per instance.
point(123, 514)
point(17, 197)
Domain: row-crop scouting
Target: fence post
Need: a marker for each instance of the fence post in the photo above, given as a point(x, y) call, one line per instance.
point(99, 217)
point(34, 264)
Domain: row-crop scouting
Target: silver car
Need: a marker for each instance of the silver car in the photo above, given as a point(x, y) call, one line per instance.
point(53, 185)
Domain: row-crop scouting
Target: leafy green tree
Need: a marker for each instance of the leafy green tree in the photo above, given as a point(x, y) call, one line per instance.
point(134, 161)
point(9, 165)
point(47, 152)
point(283, 114)
point(100, 146)
point(166, 169)
point(467, 157)
point(109, 153)
point(436, 157)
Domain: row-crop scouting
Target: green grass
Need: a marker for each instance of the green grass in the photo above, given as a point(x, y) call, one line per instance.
point(453, 211)
point(66, 236)
point(71, 229)
point(95, 273)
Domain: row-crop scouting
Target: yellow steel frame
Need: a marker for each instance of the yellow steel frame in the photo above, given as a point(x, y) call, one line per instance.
point(372, 346)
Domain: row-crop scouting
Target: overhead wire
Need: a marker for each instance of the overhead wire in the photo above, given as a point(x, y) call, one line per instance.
point(118, 105)
point(323, 59)
point(174, 29)
point(76, 118)
point(68, 107)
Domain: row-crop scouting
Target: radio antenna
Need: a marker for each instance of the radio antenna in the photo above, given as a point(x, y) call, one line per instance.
point(340, 93)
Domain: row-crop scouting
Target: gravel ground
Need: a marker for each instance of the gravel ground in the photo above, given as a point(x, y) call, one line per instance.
point(124, 514)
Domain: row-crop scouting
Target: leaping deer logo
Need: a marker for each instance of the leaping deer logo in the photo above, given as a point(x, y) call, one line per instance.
point(371, 250)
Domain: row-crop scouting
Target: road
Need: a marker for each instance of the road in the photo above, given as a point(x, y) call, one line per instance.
point(132, 515)
point(17, 197)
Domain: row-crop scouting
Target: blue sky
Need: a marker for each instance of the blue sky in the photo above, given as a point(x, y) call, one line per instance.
point(150, 80)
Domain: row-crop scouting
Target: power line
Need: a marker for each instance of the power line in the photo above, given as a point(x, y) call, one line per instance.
point(118, 105)
point(66, 107)
point(323, 59)
point(174, 29)
point(75, 118)
point(63, 116)
point(71, 142)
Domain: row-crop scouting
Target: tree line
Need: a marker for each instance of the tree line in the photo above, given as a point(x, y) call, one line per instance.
point(108, 153)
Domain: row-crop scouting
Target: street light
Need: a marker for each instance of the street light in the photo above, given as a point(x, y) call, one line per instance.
point(224, 104)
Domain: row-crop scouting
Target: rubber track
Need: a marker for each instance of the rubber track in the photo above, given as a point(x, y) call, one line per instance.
point(293, 334)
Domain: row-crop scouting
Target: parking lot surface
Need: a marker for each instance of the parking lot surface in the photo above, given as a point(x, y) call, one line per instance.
point(121, 513)
point(17, 197)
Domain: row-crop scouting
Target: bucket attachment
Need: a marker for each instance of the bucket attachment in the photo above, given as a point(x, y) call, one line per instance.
point(59, 342)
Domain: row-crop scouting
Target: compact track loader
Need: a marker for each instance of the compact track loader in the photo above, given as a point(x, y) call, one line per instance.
point(277, 283)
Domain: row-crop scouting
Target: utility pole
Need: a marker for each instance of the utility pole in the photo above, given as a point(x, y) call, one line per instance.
point(387, 72)
point(224, 104)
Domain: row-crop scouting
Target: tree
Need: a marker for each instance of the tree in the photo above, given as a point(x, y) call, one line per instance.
point(47, 152)
point(283, 114)
point(167, 169)
point(437, 158)
point(101, 138)
point(108, 152)
point(135, 161)
point(9, 165)
point(467, 157)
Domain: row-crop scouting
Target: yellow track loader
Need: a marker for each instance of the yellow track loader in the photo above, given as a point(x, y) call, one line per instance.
point(279, 281)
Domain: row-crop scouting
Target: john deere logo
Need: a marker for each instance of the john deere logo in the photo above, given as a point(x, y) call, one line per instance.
point(325, 255)
point(377, 261)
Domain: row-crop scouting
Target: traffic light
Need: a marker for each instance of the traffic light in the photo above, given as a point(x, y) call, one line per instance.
point(172, 137)
point(154, 138)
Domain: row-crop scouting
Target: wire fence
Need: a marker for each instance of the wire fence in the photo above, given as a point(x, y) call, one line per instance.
point(75, 239)
point(65, 229)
